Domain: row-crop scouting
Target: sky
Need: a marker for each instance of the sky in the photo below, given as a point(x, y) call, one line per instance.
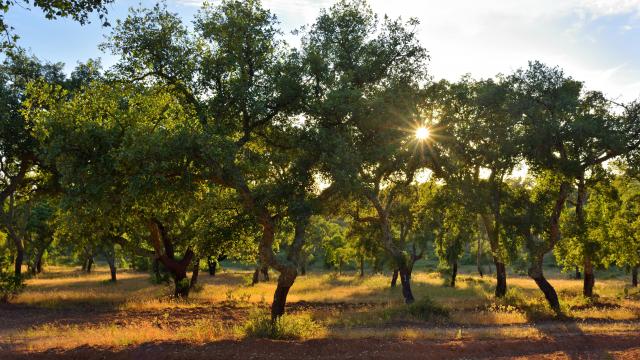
point(596, 41)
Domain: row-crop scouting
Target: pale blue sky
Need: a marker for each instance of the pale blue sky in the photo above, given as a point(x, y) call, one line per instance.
point(597, 41)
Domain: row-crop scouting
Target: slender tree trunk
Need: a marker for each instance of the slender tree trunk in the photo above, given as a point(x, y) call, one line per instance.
point(156, 268)
point(89, 264)
point(39, 265)
point(303, 268)
point(361, 266)
point(479, 256)
point(501, 278)
point(405, 281)
point(265, 273)
point(454, 273)
point(536, 273)
point(19, 257)
point(589, 278)
point(634, 276)
point(578, 274)
point(194, 274)
point(112, 268)
point(394, 278)
point(213, 264)
point(256, 276)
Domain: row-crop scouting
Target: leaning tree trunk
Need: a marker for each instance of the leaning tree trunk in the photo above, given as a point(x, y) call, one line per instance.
point(454, 273)
point(536, 273)
point(394, 278)
point(163, 247)
point(589, 278)
point(634, 276)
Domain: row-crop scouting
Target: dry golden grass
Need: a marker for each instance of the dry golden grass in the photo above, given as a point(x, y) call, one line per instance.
point(345, 306)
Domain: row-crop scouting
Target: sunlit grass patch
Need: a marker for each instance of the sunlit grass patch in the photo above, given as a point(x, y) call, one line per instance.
point(286, 327)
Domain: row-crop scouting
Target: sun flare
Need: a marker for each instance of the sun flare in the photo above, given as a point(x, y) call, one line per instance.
point(422, 133)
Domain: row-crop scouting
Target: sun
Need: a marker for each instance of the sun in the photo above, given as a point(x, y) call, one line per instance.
point(422, 133)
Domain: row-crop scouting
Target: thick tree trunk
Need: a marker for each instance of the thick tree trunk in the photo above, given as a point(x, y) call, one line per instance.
point(394, 278)
point(256, 276)
point(279, 301)
point(589, 278)
point(265, 273)
point(181, 286)
point(454, 273)
point(634, 276)
point(501, 278)
point(163, 247)
point(535, 272)
point(194, 274)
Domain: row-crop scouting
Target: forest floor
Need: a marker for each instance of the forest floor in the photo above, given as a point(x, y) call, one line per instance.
point(68, 314)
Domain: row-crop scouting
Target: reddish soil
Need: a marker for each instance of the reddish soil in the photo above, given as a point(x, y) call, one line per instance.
point(568, 347)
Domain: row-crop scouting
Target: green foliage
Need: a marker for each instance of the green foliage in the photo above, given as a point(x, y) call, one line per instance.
point(286, 327)
point(423, 309)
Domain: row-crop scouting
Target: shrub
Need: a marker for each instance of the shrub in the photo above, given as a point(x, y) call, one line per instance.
point(424, 309)
point(287, 327)
point(10, 286)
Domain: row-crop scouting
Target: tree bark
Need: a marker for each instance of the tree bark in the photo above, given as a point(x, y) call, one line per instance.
point(213, 264)
point(19, 260)
point(112, 268)
point(265, 273)
point(479, 256)
point(454, 273)
point(578, 274)
point(194, 274)
point(362, 266)
point(256, 276)
point(163, 247)
point(405, 281)
point(501, 278)
point(536, 273)
point(634, 276)
point(89, 264)
point(589, 278)
point(394, 278)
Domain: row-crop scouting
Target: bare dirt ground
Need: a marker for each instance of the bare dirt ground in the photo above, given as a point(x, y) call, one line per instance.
point(566, 347)
point(566, 344)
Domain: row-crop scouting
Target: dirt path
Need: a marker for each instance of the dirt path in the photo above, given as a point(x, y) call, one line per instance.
point(565, 347)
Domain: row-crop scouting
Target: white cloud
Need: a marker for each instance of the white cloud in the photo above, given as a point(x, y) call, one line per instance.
point(491, 36)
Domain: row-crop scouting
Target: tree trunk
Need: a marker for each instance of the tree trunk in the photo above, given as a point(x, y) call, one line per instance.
point(213, 264)
point(535, 272)
point(112, 268)
point(589, 278)
point(279, 301)
point(303, 268)
point(394, 278)
point(39, 265)
point(501, 278)
point(634, 276)
point(479, 256)
point(181, 286)
point(405, 281)
point(362, 266)
point(265, 273)
point(163, 247)
point(194, 274)
point(454, 273)
point(578, 274)
point(19, 256)
point(89, 264)
point(256, 277)
point(156, 268)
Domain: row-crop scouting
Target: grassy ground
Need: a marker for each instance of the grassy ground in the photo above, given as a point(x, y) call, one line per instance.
point(66, 309)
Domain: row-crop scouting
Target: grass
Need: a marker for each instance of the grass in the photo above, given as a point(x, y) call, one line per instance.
point(135, 311)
